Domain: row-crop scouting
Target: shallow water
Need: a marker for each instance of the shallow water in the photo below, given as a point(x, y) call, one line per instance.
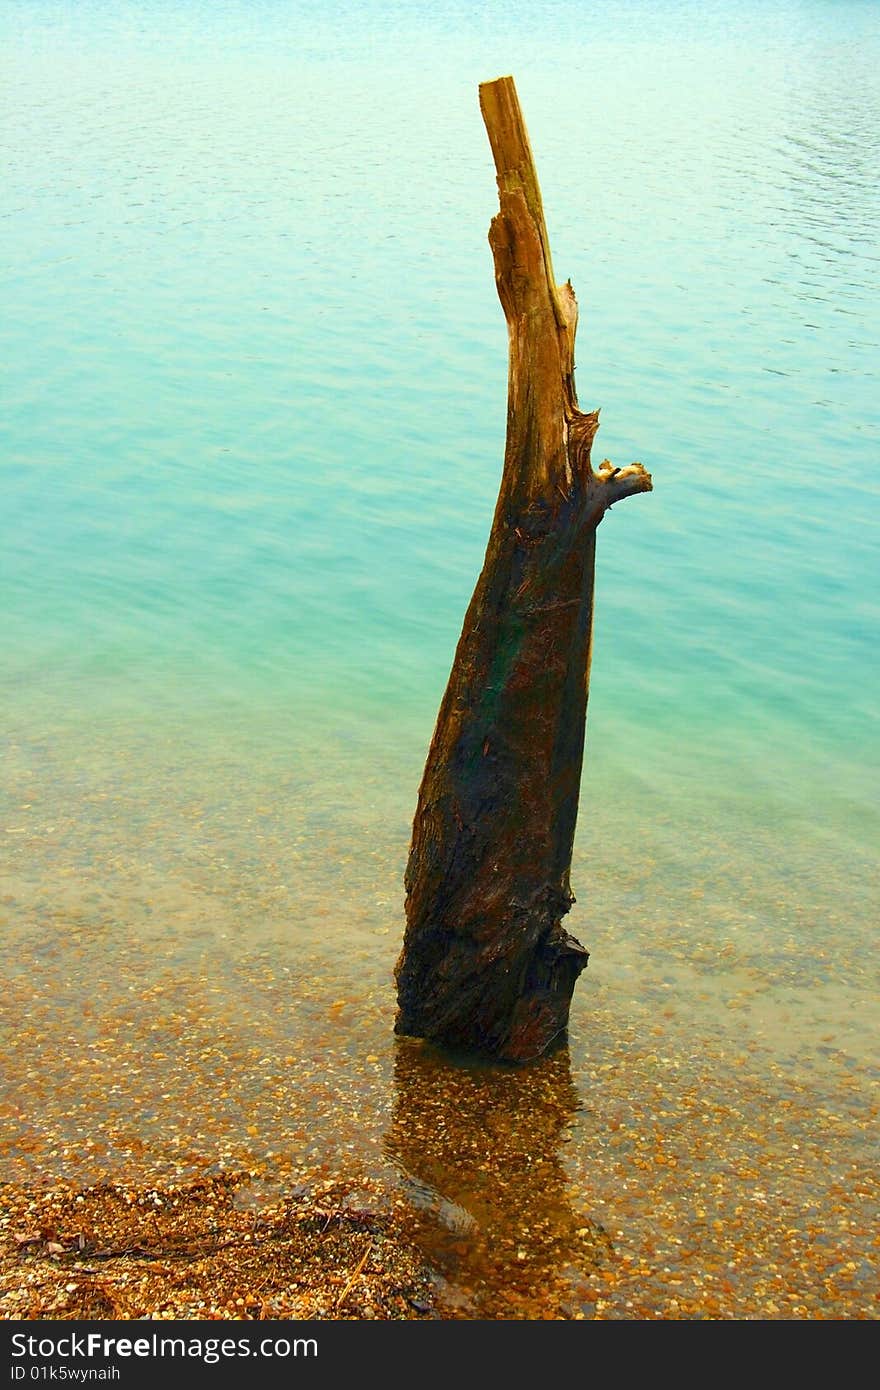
point(253, 421)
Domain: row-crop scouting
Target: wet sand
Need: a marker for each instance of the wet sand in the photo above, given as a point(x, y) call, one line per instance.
point(652, 1177)
point(197, 985)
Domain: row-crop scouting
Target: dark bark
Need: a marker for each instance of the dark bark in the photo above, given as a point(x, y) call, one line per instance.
point(486, 964)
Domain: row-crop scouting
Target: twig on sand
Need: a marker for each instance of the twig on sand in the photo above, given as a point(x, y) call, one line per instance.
point(345, 1292)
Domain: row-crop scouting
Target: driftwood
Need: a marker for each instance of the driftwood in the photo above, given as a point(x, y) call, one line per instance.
point(486, 965)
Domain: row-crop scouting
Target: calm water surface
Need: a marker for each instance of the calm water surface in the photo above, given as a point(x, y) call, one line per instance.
point(253, 420)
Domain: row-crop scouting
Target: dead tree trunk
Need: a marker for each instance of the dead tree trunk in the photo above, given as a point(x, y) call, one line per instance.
point(486, 964)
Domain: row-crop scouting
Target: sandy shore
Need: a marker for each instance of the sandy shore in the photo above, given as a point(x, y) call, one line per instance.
point(201, 1251)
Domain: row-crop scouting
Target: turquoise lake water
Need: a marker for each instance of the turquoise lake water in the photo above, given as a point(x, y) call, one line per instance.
point(254, 392)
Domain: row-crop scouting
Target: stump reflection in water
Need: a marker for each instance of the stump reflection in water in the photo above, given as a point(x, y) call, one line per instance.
point(481, 1147)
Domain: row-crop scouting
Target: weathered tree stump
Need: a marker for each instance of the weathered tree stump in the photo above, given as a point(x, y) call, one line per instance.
point(486, 965)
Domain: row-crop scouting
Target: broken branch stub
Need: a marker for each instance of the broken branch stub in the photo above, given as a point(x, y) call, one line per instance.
point(486, 965)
